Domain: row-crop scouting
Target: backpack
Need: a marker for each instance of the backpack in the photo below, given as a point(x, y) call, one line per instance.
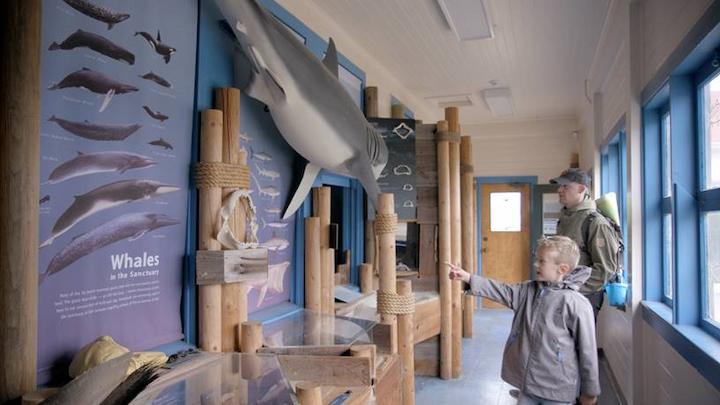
point(620, 254)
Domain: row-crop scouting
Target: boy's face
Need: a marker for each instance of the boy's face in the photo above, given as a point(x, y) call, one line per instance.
point(547, 268)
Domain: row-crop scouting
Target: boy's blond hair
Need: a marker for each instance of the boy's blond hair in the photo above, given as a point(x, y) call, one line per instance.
point(567, 250)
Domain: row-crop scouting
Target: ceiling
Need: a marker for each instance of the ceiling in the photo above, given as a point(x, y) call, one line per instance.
point(542, 50)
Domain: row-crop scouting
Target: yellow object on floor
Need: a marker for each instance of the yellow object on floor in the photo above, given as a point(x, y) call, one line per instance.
point(105, 349)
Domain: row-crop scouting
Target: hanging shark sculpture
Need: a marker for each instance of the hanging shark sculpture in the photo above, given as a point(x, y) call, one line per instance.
point(310, 107)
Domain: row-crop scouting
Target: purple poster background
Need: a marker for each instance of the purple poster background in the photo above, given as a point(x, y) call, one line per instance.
point(116, 123)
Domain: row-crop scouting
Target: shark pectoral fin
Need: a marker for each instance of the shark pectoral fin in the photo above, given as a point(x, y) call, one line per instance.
point(137, 235)
point(331, 60)
point(277, 93)
point(311, 172)
point(262, 86)
point(108, 96)
point(360, 168)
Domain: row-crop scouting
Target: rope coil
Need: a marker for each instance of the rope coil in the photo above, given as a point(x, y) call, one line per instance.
point(218, 174)
point(452, 137)
point(385, 223)
point(466, 168)
point(389, 303)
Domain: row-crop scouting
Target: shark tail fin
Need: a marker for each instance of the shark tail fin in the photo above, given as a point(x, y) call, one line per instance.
point(311, 172)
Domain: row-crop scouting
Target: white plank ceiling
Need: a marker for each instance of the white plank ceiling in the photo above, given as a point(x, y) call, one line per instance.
point(542, 50)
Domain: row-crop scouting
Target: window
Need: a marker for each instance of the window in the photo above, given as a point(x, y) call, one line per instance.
point(709, 190)
point(667, 232)
point(613, 175)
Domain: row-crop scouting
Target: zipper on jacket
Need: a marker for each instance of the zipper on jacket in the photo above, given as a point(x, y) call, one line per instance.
point(535, 306)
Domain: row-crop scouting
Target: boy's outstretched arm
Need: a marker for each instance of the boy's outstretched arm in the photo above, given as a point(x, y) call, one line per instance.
point(506, 294)
point(586, 348)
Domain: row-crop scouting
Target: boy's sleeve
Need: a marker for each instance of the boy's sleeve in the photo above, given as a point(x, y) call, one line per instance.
point(506, 294)
point(586, 347)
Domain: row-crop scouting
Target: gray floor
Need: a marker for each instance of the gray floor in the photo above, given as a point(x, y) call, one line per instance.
point(482, 359)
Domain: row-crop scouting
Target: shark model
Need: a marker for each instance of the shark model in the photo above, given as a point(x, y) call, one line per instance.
point(310, 107)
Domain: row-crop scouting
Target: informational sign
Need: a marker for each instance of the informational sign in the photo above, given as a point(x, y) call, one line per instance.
point(398, 177)
point(116, 124)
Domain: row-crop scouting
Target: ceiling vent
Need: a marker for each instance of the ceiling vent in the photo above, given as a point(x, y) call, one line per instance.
point(467, 19)
point(499, 101)
point(454, 100)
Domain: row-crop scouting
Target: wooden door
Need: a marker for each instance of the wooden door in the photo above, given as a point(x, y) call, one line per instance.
point(505, 233)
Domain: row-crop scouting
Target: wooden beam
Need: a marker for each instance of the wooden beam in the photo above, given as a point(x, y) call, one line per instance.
point(444, 253)
point(452, 117)
point(366, 278)
point(406, 346)
point(389, 376)
point(308, 393)
point(313, 265)
point(252, 337)
point(371, 102)
point(388, 278)
point(466, 197)
point(427, 319)
point(321, 209)
point(20, 24)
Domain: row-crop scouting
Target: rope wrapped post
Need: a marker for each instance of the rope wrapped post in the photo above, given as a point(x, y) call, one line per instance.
point(385, 226)
point(406, 343)
point(468, 258)
point(452, 117)
point(313, 263)
point(444, 249)
point(209, 201)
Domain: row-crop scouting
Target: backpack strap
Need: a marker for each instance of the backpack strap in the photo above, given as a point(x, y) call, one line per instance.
point(585, 230)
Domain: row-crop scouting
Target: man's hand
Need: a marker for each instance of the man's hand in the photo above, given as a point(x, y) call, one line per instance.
point(457, 273)
point(586, 400)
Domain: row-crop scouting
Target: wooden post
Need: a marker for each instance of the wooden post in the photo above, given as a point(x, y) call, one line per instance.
point(386, 261)
point(370, 245)
point(406, 346)
point(466, 196)
point(308, 393)
point(321, 209)
point(313, 263)
point(452, 117)
point(209, 201)
point(234, 295)
point(366, 278)
point(252, 338)
point(397, 111)
point(368, 351)
point(371, 102)
point(20, 24)
point(328, 281)
point(444, 252)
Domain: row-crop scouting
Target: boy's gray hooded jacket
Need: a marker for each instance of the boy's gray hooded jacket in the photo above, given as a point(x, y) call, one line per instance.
point(551, 352)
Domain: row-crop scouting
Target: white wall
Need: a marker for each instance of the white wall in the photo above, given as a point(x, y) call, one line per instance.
point(632, 49)
point(533, 148)
point(376, 75)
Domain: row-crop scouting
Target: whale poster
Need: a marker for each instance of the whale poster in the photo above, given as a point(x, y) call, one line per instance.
point(117, 92)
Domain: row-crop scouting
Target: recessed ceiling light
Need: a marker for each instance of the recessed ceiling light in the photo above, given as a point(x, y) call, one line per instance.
point(499, 101)
point(467, 19)
point(453, 100)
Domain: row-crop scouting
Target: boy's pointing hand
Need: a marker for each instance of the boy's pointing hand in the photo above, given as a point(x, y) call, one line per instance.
point(457, 273)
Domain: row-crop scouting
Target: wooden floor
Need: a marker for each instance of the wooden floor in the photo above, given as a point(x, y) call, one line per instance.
point(482, 361)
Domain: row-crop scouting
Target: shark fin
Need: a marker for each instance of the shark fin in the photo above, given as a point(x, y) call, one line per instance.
point(158, 37)
point(311, 172)
point(359, 167)
point(108, 96)
point(331, 60)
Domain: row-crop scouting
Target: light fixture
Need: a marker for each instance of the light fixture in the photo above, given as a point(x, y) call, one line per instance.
point(453, 100)
point(467, 19)
point(499, 101)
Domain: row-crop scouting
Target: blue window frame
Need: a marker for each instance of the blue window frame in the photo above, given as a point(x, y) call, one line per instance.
point(613, 177)
point(667, 219)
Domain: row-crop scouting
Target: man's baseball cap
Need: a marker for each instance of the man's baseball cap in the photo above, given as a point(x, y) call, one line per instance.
point(572, 176)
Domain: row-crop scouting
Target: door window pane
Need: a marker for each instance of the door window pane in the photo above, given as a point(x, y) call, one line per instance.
point(712, 263)
point(666, 161)
point(505, 212)
point(711, 118)
point(667, 256)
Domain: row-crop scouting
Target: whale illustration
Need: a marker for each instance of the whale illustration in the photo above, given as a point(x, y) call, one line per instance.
point(309, 105)
point(157, 45)
point(98, 43)
point(105, 197)
point(96, 132)
point(95, 82)
point(155, 114)
point(99, 13)
point(99, 162)
point(131, 226)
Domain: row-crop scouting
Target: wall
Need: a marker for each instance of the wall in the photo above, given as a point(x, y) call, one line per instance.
point(501, 149)
point(637, 39)
point(376, 75)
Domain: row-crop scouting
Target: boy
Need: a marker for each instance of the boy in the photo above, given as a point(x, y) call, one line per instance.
point(550, 355)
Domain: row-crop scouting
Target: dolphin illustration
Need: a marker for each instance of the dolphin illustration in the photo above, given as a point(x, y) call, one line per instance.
point(155, 114)
point(104, 197)
point(157, 45)
point(90, 163)
point(131, 226)
point(98, 43)
point(95, 82)
point(310, 107)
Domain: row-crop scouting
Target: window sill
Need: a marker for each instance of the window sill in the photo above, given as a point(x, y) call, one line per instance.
point(696, 346)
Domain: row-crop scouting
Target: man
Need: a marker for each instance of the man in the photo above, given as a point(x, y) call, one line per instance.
point(580, 221)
